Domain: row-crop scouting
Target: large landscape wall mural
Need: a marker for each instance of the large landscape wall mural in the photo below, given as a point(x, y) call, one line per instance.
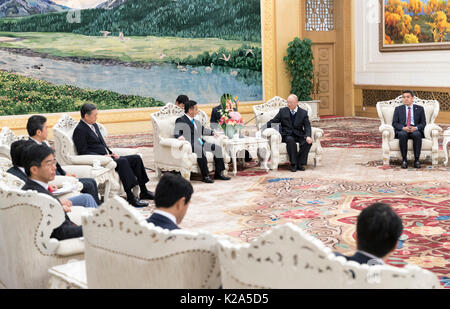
point(55, 56)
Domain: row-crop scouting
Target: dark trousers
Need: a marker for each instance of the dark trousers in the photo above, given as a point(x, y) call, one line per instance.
point(131, 171)
point(298, 158)
point(90, 187)
point(403, 138)
point(219, 164)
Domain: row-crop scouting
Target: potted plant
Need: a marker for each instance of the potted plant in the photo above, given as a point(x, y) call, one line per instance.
point(299, 61)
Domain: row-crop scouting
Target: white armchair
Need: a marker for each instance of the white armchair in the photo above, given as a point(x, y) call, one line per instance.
point(106, 177)
point(279, 155)
point(7, 137)
point(124, 251)
point(27, 220)
point(288, 258)
point(172, 154)
point(391, 146)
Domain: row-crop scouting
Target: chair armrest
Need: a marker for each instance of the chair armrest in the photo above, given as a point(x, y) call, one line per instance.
point(174, 143)
point(60, 180)
point(89, 159)
point(215, 140)
point(272, 134)
point(124, 151)
point(82, 171)
point(387, 131)
point(432, 130)
point(317, 134)
point(69, 247)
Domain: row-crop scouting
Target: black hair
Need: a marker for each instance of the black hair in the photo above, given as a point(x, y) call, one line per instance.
point(35, 123)
point(378, 229)
point(18, 149)
point(410, 92)
point(188, 105)
point(87, 108)
point(181, 99)
point(34, 155)
point(170, 189)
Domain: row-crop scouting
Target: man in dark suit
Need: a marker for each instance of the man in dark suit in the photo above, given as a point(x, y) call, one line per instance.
point(191, 130)
point(38, 131)
point(409, 123)
point(294, 127)
point(172, 196)
point(89, 141)
point(181, 99)
point(40, 166)
point(378, 230)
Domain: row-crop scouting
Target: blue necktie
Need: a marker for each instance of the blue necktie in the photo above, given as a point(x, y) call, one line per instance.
point(199, 139)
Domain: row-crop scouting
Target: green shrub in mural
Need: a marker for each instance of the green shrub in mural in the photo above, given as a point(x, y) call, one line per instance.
point(22, 95)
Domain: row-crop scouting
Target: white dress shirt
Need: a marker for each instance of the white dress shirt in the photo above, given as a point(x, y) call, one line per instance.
point(412, 114)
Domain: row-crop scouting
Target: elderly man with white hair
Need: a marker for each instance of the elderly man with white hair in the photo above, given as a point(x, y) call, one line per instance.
point(294, 127)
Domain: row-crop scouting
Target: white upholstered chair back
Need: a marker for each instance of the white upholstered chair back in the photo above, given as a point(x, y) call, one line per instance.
point(27, 220)
point(7, 137)
point(124, 251)
point(164, 121)
point(287, 257)
point(64, 146)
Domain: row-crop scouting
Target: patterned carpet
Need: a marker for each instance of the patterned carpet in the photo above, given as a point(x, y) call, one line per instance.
point(327, 199)
point(328, 210)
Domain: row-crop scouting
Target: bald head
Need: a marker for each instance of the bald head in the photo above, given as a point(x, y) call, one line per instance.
point(292, 102)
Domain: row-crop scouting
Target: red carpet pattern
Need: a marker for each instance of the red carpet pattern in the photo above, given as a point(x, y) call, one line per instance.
point(328, 210)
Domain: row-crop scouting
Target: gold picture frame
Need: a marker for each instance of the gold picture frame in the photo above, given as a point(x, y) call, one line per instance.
point(411, 25)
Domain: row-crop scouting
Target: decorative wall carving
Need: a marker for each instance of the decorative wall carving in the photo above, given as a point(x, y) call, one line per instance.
point(319, 15)
point(372, 96)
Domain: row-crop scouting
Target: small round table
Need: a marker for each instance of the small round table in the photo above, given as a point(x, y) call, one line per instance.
point(445, 144)
point(257, 147)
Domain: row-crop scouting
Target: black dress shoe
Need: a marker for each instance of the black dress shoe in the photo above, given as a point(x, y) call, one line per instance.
point(134, 201)
point(221, 176)
point(301, 168)
point(404, 164)
point(207, 179)
point(417, 164)
point(293, 168)
point(148, 195)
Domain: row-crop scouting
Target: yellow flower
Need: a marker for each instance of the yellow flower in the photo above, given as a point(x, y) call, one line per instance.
point(427, 261)
point(427, 230)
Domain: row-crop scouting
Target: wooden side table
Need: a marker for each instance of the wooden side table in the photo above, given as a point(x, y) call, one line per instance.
point(257, 147)
point(445, 144)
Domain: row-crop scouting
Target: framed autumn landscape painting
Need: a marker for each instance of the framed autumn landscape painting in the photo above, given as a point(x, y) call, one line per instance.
point(412, 25)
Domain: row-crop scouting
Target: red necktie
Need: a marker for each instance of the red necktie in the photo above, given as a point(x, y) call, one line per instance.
point(50, 189)
point(409, 117)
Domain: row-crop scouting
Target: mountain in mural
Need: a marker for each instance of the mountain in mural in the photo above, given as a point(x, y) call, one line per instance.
point(110, 4)
point(18, 8)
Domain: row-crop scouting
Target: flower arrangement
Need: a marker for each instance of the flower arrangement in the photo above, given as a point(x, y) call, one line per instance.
point(230, 121)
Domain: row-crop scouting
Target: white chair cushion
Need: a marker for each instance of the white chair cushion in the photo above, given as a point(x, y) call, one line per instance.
point(394, 145)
